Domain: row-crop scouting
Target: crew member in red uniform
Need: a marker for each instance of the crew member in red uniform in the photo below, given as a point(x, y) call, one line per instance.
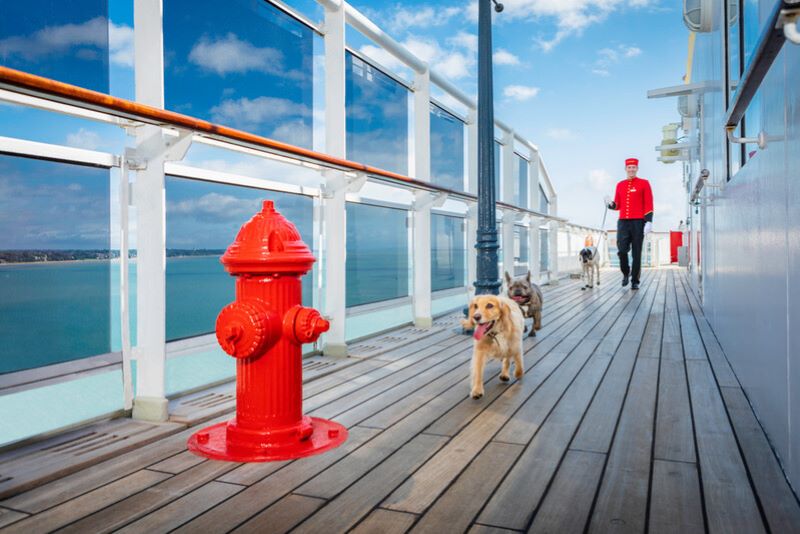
point(634, 200)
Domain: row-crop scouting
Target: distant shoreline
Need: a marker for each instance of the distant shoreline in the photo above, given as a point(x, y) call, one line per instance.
point(94, 260)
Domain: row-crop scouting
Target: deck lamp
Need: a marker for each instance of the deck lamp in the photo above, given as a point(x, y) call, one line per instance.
point(488, 278)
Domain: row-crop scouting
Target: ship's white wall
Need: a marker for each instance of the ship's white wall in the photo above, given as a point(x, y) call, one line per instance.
point(751, 246)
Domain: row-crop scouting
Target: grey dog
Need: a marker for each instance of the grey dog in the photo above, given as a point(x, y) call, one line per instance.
point(529, 298)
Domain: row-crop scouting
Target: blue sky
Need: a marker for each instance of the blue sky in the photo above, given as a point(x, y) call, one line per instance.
point(570, 75)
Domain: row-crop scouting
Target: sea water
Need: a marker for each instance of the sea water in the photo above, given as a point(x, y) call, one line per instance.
point(52, 312)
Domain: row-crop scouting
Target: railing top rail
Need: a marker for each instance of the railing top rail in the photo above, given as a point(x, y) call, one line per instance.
point(769, 45)
point(48, 89)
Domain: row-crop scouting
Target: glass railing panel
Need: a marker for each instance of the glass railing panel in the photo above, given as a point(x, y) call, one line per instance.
point(447, 149)
point(521, 250)
point(544, 249)
point(248, 65)
point(203, 218)
point(448, 252)
point(56, 261)
point(377, 267)
point(377, 117)
point(65, 41)
point(544, 203)
point(521, 189)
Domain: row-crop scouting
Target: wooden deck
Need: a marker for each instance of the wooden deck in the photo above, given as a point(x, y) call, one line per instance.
point(628, 419)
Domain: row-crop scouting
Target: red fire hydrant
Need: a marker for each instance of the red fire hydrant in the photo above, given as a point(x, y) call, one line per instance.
point(264, 330)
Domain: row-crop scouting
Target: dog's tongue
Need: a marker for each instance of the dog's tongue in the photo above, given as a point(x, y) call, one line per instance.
point(519, 299)
point(480, 331)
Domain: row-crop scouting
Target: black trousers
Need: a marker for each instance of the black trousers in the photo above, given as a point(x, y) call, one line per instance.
point(630, 233)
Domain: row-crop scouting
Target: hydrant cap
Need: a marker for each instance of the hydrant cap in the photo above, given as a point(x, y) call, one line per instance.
point(268, 243)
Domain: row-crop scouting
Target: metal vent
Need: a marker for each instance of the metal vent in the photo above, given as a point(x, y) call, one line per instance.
point(85, 443)
point(317, 365)
point(209, 400)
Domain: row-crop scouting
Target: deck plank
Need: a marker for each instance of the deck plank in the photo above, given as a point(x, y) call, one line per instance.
point(729, 500)
point(597, 428)
point(779, 503)
point(622, 499)
point(282, 516)
point(674, 428)
point(354, 503)
point(75, 509)
point(151, 499)
point(181, 510)
point(458, 506)
point(566, 506)
point(533, 395)
point(382, 521)
point(675, 503)
point(272, 488)
point(10, 516)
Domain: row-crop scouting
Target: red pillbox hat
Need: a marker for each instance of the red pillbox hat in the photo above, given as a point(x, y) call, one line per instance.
point(631, 161)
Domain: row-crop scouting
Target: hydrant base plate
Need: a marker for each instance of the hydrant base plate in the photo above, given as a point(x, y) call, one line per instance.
point(211, 442)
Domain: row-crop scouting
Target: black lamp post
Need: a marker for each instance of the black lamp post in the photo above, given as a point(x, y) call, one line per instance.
point(488, 276)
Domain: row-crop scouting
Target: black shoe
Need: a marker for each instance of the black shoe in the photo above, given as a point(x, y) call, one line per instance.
point(635, 285)
point(624, 280)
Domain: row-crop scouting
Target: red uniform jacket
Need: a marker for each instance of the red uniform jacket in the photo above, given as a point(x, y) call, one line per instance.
point(634, 199)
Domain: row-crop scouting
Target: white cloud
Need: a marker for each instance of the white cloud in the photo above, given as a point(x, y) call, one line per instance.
point(53, 40)
point(571, 17)
point(452, 64)
point(561, 134)
point(248, 114)
point(215, 207)
point(232, 55)
point(382, 57)
point(504, 57)
point(426, 17)
point(84, 138)
point(520, 93)
point(608, 57)
point(120, 43)
point(601, 180)
point(468, 41)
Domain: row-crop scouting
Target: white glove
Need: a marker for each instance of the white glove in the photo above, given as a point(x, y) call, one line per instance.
point(648, 227)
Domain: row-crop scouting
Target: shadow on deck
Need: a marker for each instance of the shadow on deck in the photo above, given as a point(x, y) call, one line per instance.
point(629, 419)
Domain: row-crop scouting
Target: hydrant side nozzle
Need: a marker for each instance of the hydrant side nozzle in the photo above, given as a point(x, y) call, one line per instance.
point(247, 328)
point(304, 325)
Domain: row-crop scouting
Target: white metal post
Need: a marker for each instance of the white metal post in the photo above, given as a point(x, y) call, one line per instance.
point(150, 403)
point(534, 254)
point(422, 207)
point(472, 187)
point(333, 203)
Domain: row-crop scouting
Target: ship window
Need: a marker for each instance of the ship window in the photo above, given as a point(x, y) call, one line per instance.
point(448, 251)
point(377, 254)
point(55, 263)
point(203, 218)
point(751, 29)
point(447, 149)
point(248, 66)
point(377, 117)
point(735, 151)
